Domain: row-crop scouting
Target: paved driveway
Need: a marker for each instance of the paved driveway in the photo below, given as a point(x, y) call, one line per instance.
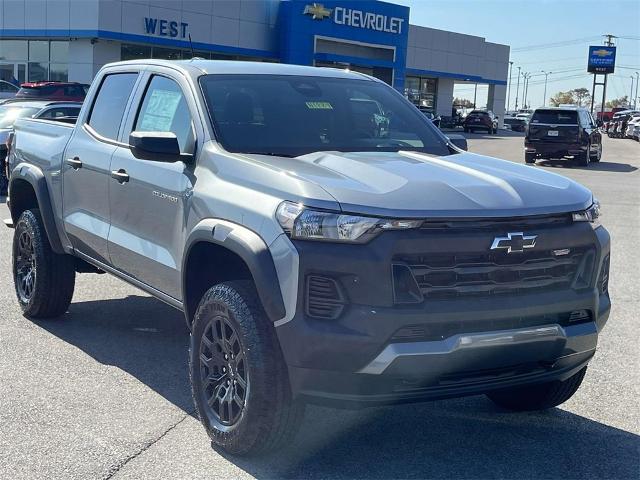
point(103, 392)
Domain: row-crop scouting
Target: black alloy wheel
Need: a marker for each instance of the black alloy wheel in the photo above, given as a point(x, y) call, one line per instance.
point(25, 267)
point(223, 372)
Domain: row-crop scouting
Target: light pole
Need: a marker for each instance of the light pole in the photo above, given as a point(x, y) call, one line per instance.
point(525, 87)
point(509, 86)
point(631, 94)
point(475, 93)
point(544, 97)
point(517, 88)
point(635, 98)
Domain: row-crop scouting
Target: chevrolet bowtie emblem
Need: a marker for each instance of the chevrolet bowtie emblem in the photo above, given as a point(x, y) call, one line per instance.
point(602, 52)
point(514, 242)
point(317, 11)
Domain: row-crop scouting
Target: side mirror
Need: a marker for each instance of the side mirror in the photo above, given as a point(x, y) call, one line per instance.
point(156, 146)
point(459, 141)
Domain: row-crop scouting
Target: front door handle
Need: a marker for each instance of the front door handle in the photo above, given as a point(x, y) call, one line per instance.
point(120, 175)
point(74, 163)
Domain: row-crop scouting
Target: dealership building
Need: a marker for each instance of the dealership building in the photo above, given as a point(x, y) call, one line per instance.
point(72, 39)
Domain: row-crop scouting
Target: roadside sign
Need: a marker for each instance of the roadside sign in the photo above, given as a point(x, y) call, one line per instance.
point(602, 59)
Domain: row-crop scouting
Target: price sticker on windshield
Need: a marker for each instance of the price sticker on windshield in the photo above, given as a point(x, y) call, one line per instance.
point(319, 106)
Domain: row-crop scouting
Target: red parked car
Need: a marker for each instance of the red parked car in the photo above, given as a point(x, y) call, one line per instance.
point(67, 91)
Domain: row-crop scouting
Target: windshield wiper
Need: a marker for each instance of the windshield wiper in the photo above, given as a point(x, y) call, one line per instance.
point(272, 154)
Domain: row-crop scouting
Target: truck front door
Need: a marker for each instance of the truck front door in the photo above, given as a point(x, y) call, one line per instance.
point(149, 199)
point(86, 174)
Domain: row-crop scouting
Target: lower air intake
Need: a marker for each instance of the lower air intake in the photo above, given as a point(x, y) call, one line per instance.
point(324, 298)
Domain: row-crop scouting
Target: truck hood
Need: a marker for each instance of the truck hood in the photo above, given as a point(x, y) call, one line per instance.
point(411, 184)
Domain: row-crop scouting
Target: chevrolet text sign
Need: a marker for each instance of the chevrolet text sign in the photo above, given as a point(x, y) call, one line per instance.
point(601, 59)
point(356, 18)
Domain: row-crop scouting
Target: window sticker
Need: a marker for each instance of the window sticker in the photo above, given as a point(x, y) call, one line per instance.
point(161, 108)
point(319, 106)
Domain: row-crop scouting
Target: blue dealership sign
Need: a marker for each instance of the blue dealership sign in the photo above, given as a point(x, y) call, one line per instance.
point(371, 35)
point(602, 59)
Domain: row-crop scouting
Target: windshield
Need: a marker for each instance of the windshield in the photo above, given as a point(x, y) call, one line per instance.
point(555, 117)
point(9, 114)
point(295, 115)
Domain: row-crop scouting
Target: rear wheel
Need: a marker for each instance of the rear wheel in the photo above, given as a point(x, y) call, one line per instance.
point(530, 157)
point(44, 280)
point(583, 158)
point(540, 396)
point(239, 380)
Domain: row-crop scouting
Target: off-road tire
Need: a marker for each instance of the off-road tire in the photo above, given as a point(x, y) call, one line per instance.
point(270, 417)
point(541, 396)
point(530, 158)
point(54, 276)
point(598, 156)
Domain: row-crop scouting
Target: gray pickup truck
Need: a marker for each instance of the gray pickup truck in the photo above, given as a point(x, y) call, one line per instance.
point(321, 250)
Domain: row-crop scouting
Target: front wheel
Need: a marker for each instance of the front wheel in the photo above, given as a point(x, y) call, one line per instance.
point(239, 379)
point(44, 280)
point(541, 396)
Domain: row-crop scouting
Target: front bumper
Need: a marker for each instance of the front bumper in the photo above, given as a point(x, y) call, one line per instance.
point(378, 352)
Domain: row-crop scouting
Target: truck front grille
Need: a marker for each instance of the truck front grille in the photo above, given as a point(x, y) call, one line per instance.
point(492, 273)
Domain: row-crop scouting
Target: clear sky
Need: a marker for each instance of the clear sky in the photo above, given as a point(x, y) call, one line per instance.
point(572, 25)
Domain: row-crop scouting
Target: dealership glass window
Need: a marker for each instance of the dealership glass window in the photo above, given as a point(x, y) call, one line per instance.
point(59, 72)
point(38, 51)
point(38, 71)
point(59, 52)
point(421, 91)
point(13, 50)
point(130, 51)
point(166, 53)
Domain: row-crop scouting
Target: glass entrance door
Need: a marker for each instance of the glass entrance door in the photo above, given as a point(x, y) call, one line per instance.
point(12, 75)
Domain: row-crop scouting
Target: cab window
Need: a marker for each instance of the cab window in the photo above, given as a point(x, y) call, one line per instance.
point(164, 109)
point(108, 108)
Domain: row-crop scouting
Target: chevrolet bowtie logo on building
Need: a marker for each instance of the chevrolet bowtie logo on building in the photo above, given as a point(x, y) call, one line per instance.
point(602, 53)
point(317, 11)
point(515, 242)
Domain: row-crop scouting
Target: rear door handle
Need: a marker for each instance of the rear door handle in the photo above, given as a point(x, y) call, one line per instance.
point(74, 163)
point(120, 175)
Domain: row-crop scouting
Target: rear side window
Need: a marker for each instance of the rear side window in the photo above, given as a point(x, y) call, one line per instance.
point(555, 117)
point(108, 107)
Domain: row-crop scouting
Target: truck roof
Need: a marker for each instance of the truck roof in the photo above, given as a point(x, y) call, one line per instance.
point(199, 67)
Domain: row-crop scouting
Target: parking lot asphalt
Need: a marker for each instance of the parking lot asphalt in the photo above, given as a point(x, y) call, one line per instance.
point(103, 392)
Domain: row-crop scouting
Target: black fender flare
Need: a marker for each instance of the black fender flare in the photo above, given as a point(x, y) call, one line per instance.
point(250, 247)
point(34, 176)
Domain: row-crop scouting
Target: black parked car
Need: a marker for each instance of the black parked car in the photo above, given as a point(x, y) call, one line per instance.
point(515, 124)
point(481, 120)
point(563, 132)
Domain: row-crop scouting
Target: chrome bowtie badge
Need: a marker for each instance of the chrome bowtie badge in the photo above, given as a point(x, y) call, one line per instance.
point(514, 242)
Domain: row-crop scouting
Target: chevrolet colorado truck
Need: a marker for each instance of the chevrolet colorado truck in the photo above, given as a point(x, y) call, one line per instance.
point(320, 251)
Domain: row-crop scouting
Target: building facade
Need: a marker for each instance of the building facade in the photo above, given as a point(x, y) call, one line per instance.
point(72, 39)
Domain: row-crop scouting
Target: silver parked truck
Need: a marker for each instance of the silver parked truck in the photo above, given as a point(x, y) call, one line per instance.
point(321, 251)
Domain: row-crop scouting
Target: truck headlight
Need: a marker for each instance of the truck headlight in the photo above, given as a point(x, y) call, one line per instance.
point(591, 214)
point(304, 223)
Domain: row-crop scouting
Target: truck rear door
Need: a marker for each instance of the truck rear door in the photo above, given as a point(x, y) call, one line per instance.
point(86, 173)
point(554, 126)
point(149, 199)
